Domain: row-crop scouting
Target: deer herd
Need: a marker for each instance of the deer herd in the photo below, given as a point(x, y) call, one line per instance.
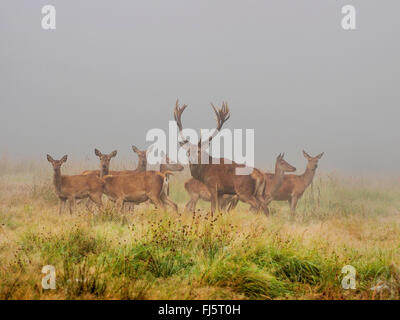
point(213, 181)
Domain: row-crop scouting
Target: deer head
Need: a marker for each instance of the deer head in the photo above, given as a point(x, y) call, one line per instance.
point(142, 156)
point(282, 165)
point(166, 164)
point(312, 161)
point(194, 152)
point(105, 160)
point(170, 165)
point(57, 163)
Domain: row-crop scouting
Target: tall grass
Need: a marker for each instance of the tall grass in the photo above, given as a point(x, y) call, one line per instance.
point(149, 254)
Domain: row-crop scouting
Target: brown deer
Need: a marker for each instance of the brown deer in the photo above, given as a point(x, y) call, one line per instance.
point(293, 186)
point(142, 163)
point(142, 156)
point(273, 181)
point(198, 190)
point(166, 165)
point(139, 187)
point(75, 187)
point(219, 175)
point(104, 164)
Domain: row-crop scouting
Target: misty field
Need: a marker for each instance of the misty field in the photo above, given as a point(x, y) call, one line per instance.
point(149, 254)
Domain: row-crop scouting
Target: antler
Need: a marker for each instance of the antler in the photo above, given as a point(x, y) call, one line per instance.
point(177, 115)
point(222, 115)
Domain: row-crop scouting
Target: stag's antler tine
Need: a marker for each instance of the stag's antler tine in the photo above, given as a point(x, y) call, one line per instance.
point(217, 115)
point(222, 115)
point(177, 116)
point(227, 111)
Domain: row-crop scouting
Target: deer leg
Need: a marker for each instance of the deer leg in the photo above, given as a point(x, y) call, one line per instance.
point(233, 202)
point(97, 200)
point(167, 201)
point(194, 203)
point(251, 200)
point(72, 204)
point(265, 209)
point(191, 205)
point(130, 206)
point(265, 203)
point(88, 204)
point(61, 206)
point(223, 202)
point(293, 205)
point(188, 206)
point(214, 201)
point(119, 204)
point(157, 202)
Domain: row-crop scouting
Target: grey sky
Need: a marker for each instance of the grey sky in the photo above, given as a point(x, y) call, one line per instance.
point(112, 70)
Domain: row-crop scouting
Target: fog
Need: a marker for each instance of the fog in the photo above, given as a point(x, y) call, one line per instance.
point(112, 70)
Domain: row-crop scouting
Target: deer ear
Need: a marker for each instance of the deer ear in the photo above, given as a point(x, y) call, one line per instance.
point(135, 149)
point(49, 158)
point(320, 155)
point(64, 159)
point(306, 155)
point(97, 152)
point(113, 154)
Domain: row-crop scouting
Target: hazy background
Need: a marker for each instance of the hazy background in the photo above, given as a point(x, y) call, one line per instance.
point(112, 70)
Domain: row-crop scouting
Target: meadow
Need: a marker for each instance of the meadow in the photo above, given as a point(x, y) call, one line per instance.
point(149, 254)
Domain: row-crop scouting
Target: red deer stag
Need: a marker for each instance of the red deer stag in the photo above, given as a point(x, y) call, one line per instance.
point(293, 186)
point(75, 187)
point(219, 175)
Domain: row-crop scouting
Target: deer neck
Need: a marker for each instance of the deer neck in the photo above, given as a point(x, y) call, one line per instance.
point(277, 180)
point(196, 171)
point(163, 168)
point(166, 167)
point(103, 172)
point(308, 176)
point(57, 180)
point(141, 166)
